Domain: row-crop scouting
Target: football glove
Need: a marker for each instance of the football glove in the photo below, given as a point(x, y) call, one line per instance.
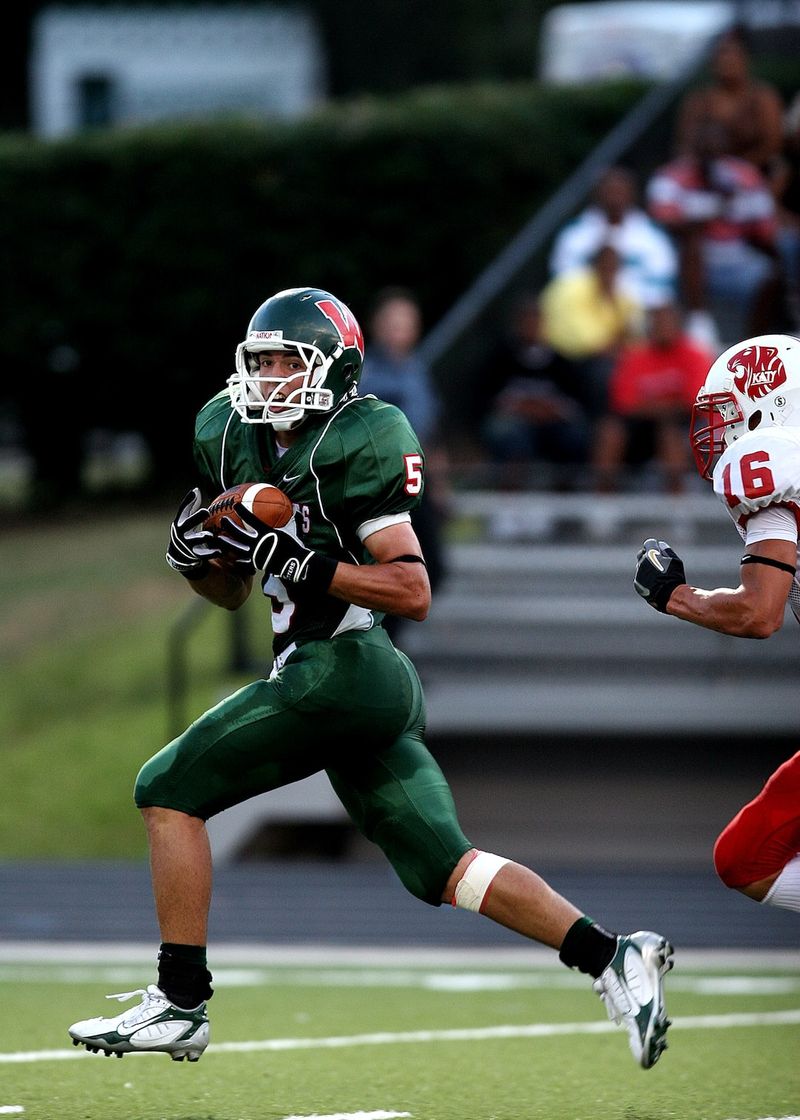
point(659, 570)
point(190, 546)
point(255, 547)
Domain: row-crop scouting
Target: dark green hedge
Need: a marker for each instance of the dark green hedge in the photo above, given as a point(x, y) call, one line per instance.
point(148, 250)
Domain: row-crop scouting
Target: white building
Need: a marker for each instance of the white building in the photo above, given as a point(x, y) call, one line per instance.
point(129, 66)
point(628, 38)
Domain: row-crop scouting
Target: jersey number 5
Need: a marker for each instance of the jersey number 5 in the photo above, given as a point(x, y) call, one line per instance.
point(757, 478)
point(413, 464)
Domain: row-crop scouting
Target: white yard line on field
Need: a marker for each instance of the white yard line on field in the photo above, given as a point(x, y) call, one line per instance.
point(469, 1034)
point(379, 1115)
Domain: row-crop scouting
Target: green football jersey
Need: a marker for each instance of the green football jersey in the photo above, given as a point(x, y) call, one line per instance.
point(351, 472)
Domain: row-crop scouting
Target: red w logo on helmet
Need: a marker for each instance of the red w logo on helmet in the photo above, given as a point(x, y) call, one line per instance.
point(757, 371)
point(345, 323)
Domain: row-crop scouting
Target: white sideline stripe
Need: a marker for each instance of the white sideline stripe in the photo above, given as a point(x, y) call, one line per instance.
point(528, 955)
point(451, 982)
point(468, 1034)
point(7, 1109)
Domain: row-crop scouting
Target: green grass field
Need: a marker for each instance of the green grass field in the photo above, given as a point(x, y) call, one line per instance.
point(86, 611)
point(397, 1037)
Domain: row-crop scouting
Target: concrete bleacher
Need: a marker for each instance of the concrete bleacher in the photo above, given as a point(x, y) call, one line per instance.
point(545, 632)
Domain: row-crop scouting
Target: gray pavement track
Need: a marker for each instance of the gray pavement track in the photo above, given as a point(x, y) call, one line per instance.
point(363, 904)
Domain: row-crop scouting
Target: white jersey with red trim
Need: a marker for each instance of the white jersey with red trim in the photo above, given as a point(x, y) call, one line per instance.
point(761, 471)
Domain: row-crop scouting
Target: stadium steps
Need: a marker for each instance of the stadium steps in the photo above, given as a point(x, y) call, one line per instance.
point(544, 633)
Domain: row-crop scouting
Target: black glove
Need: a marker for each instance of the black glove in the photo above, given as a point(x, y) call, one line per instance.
point(659, 570)
point(190, 545)
point(254, 546)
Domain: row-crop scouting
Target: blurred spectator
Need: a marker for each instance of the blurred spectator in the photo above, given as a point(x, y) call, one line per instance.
point(535, 399)
point(392, 370)
point(653, 386)
point(788, 199)
point(722, 214)
point(587, 314)
point(750, 111)
point(648, 261)
point(394, 373)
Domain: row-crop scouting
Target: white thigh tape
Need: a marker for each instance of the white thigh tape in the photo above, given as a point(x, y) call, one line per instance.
point(471, 889)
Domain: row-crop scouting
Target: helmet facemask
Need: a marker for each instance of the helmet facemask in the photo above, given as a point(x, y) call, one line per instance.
point(260, 398)
point(716, 422)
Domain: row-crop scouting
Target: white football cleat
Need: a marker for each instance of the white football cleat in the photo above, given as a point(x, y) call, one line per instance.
point(153, 1025)
point(632, 988)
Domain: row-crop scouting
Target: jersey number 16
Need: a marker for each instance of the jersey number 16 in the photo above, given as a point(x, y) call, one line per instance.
point(757, 478)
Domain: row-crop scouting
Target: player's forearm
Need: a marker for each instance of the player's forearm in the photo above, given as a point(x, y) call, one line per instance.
point(725, 609)
point(222, 586)
point(396, 588)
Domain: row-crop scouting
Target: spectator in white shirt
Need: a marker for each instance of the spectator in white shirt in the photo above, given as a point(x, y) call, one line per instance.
point(648, 261)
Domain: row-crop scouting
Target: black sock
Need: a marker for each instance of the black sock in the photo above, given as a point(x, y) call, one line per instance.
point(182, 974)
point(588, 947)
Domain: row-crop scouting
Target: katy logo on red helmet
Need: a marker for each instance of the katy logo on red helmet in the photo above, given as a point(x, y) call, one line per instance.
point(345, 323)
point(757, 371)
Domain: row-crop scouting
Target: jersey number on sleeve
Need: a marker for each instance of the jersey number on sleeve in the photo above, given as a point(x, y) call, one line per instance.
point(413, 473)
point(757, 478)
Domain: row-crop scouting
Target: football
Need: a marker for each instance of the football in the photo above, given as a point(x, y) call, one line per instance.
point(268, 503)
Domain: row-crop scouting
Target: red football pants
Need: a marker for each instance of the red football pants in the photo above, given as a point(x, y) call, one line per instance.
point(765, 834)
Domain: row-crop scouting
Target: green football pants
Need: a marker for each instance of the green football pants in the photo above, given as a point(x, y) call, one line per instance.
point(352, 706)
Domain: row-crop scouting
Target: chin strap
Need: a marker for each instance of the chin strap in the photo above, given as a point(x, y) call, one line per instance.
point(749, 558)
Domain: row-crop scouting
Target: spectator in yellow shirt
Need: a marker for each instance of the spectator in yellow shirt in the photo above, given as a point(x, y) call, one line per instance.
point(586, 316)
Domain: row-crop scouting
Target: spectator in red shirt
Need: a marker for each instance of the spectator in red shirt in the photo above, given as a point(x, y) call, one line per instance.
point(722, 215)
point(652, 388)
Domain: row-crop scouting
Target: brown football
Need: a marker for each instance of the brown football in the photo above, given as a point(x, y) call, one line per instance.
point(268, 503)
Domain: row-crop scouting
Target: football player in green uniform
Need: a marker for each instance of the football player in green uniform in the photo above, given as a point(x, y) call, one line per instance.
point(340, 697)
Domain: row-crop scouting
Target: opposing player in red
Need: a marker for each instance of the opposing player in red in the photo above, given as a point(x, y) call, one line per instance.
point(746, 439)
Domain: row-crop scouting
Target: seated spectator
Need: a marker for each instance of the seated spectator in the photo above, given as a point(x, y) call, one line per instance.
point(722, 215)
point(648, 261)
point(750, 111)
point(653, 386)
point(788, 200)
point(394, 372)
point(535, 400)
point(587, 314)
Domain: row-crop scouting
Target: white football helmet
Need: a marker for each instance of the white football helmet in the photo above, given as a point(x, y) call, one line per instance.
point(754, 384)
